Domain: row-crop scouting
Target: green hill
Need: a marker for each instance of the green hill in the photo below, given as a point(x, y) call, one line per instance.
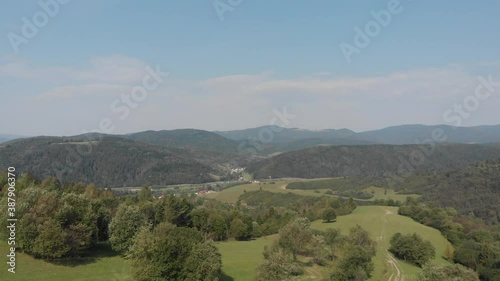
point(240, 258)
point(369, 160)
point(104, 161)
point(474, 189)
point(382, 222)
point(186, 138)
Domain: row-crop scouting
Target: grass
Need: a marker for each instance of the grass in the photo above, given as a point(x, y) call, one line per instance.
point(241, 258)
point(382, 222)
point(105, 265)
point(231, 195)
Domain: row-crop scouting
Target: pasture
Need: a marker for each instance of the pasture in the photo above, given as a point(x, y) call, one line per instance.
point(382, 222)
point(104, 265)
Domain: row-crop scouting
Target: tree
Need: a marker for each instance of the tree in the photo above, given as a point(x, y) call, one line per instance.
point(177, 211)
point(164, 252)
point(412, 248)
point(91, 191)
point(329, 215)
point(124, 226)
point(145, 194)
point(448, 253)
point(360, 237)
point(199, 217)
point(50, 243)
point(295, 237)
point(447, 273)
point(218, 226)
point(277, 266)
point(333, 239)
point(239, 229)
point(356, 264)
point(203, 263)
point(51, 184)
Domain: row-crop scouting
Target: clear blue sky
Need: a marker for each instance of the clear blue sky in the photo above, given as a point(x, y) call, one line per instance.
point(232, 73)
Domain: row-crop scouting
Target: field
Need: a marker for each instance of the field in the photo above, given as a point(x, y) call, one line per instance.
point(230, 195)
point(241, 258)
point(382, 222)
point(104, 266)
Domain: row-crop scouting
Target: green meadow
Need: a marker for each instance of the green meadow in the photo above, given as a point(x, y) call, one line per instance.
point(240, 259)
point(105, 265)
point(382, 222)
point(231, 195)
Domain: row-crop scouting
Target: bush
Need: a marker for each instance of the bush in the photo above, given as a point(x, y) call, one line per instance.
point(329, 215)
point(412, 248)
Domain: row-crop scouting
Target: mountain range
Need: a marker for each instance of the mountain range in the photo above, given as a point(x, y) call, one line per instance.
point(195, 156)
point(403, 134)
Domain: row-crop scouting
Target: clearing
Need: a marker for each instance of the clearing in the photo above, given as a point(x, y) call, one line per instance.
point(382, 222)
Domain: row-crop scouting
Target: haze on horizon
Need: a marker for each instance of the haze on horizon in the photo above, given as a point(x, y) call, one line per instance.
point(236, 71)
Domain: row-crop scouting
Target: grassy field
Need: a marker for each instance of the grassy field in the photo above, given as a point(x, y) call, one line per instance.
point(241, 258)
point(231, 195)
point(382, 222)
point(105, 266)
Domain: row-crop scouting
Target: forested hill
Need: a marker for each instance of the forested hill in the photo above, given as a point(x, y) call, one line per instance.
point(403, 134)
point(369, 160)
point(187, 138)
point(474, 189)
point(106, 161)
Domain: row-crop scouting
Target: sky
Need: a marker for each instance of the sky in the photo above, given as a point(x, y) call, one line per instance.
point(70, 67)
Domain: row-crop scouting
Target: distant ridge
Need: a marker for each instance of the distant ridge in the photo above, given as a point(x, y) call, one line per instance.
point(403, 134)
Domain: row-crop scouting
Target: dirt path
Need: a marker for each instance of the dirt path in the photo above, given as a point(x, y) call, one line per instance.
point(395, 270)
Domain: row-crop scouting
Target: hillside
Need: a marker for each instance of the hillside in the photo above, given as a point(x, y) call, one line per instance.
point(285, 134)
point(186, 138)
point(474, 189)
point(288, 139)
point(107, 161)
point(368, 160)
point(407, 134)
point(382, 222)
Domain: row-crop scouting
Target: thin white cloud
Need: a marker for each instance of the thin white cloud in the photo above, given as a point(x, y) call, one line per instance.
point(67, 92)
point(246, 100)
